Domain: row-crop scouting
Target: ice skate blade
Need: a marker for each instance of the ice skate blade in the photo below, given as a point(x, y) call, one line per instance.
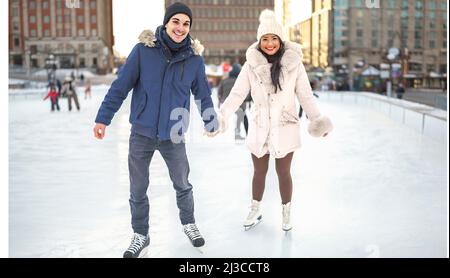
point(144, 253)
point(248, 227)
point(199, 249)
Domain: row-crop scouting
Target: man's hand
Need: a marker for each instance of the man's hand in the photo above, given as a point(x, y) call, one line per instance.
point(99, 131)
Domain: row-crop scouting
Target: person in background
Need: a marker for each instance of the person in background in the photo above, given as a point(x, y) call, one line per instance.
point(87, 89)
point(53, 95)
point(222, 93)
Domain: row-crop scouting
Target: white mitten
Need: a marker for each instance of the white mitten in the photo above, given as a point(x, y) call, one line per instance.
point(320, 126)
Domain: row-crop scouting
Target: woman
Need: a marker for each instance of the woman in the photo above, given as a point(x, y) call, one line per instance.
point(275, 76)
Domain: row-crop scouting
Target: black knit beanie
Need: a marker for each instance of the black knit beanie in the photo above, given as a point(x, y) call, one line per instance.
point(177, 8)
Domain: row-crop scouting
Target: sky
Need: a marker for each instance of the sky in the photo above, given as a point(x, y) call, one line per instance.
point(130, 18)
point(144, 14)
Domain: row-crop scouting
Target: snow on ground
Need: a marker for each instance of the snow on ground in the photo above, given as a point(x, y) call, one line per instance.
point(373, 188)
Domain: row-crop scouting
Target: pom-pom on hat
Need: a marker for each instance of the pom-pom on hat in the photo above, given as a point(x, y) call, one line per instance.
point(269, 25)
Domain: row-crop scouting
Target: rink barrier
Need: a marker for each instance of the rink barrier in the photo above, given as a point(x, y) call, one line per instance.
point(427, 120)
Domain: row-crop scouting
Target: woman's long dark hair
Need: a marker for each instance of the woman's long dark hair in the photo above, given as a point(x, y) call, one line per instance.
point(275, 60)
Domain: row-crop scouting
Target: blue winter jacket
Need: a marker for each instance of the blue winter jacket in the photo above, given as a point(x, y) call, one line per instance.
point(161, 86)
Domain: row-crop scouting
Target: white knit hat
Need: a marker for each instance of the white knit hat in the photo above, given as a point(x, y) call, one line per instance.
point(269, 25)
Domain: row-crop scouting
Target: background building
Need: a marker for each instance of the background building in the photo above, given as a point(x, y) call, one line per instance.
point(225, 27)
point(361, 36)
point(77, 33)
point(315, 35)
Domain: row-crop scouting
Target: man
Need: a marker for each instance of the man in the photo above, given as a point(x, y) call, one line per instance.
point(162, 70)
point(400, 91)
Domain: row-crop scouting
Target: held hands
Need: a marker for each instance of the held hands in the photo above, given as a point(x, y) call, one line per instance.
point(222, 126)
point(99, 131)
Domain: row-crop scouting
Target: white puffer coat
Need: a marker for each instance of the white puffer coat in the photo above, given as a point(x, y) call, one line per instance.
point(274, 122)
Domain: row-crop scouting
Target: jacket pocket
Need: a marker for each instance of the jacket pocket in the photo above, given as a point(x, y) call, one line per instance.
point(288, 117)
point(141, 106)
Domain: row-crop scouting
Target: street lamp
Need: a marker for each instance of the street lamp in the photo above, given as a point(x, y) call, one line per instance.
point(50, 65)
point(392, 55)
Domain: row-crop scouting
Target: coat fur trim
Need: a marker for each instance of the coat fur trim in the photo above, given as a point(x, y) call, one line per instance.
point(148, 38)
point(292, 57)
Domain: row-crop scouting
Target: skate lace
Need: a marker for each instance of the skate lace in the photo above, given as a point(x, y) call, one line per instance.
point(253, 211)
point(192, 231)
point(136, 243)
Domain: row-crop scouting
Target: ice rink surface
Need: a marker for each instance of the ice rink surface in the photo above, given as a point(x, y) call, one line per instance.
point(372, 188)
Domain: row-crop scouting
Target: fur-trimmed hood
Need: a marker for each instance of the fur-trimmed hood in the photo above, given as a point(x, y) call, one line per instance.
point(148, 38)
point(292, 57)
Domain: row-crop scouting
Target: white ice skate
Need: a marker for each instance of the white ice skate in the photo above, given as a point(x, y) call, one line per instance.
point(254, 217)
point(286, 226)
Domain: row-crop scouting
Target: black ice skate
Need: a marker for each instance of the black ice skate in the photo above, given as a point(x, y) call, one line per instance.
point(138, 247)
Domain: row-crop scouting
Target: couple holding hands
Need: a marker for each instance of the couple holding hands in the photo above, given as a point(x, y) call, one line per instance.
point(163, 69)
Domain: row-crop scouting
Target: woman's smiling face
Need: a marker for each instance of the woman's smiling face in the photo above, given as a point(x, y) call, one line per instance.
point(270, 44)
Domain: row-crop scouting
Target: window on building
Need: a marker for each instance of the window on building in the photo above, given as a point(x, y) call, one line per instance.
point(93, 4)
point(404, 23)
point(81, 19)
point(415, 66)
point(418, 24)
point(419, 4)
point(46, 33)
point(33, 32)
point(82, 63)
point(341, 4)
point(16, 42)
point(405, 4)
point(32, 5)
point(93, 19)
point(45, 4)
point(358, 3)
point(417, 44)
point(32, 19)
point(81, 32)
point(46, 19)
point(391, 4)
point(418, 34)
point(431, 4)
point(15, 11)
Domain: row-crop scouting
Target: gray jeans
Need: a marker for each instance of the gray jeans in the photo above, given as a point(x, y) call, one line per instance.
point(141, 150)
